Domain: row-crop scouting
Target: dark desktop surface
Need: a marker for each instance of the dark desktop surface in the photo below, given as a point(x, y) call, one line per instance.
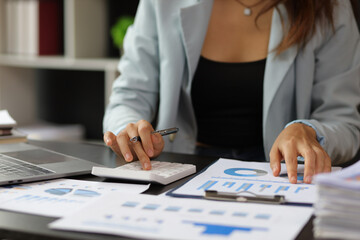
point(15, 225)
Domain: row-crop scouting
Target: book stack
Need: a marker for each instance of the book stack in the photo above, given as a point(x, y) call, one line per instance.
point(8, 133)
point(33, 27)
point(337, 209)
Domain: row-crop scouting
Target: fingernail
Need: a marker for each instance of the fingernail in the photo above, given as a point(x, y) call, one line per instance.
point(147, 166)
point(274, 170)
point(150, 152)
point(293, 179)
point(107, 141)
point(308, 179)
point(127, 157)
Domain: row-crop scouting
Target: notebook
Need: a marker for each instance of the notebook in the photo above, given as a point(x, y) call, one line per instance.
point(23, 162)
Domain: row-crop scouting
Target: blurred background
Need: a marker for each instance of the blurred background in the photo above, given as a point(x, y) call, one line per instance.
point(58, 60)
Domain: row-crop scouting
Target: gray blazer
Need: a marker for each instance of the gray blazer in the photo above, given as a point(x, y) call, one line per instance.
point(318, 84)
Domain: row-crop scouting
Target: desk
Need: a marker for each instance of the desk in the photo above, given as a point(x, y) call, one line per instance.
point(25, 226)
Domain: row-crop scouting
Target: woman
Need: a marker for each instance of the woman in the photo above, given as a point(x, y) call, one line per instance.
point(276, 79)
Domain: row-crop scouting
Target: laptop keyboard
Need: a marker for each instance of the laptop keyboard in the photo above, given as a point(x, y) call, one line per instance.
point(13, 167)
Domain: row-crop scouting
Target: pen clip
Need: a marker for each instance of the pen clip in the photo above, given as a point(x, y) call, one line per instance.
point(235, 197)
point(166, 131)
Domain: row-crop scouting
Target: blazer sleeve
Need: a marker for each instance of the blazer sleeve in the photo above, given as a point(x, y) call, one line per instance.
point(336, 88)
point(135, 92)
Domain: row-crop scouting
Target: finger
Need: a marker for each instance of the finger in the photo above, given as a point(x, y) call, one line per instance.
point(110, 141)
point(142, 156)
point(158, 142)
point(146, 141)
point(291, 164)
point(320, 161)
point(109, 138)
point(275, 161)
point(310, 164)
point(327, 164)
point(132, 131)
point(123, 143)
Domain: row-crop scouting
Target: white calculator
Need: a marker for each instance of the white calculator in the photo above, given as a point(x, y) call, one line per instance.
point(161, 172)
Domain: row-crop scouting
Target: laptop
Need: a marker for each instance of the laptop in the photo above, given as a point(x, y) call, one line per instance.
point(22, 162)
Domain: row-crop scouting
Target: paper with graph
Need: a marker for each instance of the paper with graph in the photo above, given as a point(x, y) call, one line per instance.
point(154, 217)
point(235, 176)
point(57, 198)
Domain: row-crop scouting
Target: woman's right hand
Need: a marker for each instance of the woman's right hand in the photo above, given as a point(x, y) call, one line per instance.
point(150, 146)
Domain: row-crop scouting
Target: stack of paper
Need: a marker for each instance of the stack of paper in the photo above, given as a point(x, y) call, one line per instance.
point(337, 208)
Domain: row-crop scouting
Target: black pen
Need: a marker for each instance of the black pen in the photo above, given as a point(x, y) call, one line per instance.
point(162, 132)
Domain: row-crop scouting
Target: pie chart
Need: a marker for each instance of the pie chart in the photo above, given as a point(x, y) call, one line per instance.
point(245, 172)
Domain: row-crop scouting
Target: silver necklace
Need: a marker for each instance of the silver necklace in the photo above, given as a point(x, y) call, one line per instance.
point(247, 9)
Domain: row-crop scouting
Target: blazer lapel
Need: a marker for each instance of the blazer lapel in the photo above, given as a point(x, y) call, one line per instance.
point(194, 21)
point(276, 65)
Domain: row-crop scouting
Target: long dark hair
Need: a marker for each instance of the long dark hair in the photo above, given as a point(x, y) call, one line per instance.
point(304, 16)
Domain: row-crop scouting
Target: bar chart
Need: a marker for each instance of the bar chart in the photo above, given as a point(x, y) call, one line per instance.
point(252, 186)
point(153, 217)
point(254, 178)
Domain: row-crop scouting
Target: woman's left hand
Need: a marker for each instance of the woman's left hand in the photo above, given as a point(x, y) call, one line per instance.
point(299, 140)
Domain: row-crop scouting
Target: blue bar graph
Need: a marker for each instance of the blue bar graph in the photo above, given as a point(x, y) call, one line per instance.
point(245, 187)
point(282, 188)
point(173, 208)
point(300, 189)
point(223, 230)
point(130, 204)
point(151, 206)
point(41, 199)
point(196, 210)
point(228, 184)
point(239, 214)
point(263, 216)
point(217, 212)
point(264, 186)
point(207, 185)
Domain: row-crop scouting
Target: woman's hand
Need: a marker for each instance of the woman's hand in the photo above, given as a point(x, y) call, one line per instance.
point(299, 140)
point(150, 146)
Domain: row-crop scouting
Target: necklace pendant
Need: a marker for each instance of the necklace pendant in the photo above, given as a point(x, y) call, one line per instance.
point(247, 11)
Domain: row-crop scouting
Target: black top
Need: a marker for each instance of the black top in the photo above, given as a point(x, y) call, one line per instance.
point(227, 99)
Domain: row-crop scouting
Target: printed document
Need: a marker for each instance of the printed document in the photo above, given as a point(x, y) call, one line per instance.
point(252, 178)
point(154, 217)
point(57, 198)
